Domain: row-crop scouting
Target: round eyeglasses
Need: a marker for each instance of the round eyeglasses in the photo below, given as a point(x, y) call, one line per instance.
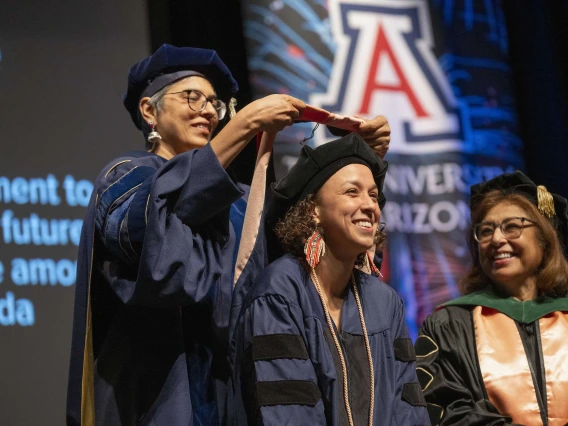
point(197, 102)
point(512, 228)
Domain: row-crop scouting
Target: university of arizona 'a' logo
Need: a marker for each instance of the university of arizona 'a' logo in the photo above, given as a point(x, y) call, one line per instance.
point(385, 65)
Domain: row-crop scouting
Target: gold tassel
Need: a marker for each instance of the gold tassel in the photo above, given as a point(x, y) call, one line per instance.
point(232, 105)
point(545, 201)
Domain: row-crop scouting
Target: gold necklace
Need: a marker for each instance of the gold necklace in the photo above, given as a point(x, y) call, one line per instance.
point(340, 352)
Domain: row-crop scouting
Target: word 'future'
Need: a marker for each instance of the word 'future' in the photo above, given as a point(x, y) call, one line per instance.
point(21, 228)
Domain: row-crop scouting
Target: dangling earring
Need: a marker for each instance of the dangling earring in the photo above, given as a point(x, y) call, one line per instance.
point(232, 107)
point(314, 249)
point(153, 136)
point(370, 265)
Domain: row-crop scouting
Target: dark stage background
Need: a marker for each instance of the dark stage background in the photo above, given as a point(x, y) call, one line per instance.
point(63, 69)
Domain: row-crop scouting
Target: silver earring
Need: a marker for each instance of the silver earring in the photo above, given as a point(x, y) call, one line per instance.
point(153, 136)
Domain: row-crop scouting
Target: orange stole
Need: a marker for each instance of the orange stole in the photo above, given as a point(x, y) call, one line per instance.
point(505, 369)
point(554, 341)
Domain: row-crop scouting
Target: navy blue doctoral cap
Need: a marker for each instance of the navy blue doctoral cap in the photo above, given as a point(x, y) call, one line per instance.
point(169, 64)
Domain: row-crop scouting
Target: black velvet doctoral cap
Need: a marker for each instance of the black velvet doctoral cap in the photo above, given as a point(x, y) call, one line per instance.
point(315, 166)
point(177, 62)
point(518, 183)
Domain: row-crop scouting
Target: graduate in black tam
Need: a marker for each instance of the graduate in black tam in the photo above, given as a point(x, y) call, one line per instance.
point(310, 172)
point(320, 339)
point(497, 354)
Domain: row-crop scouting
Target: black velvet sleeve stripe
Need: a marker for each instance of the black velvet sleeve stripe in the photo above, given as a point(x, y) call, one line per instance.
point(403, 350)
point(278, 346)
point(412, 394)
point(287, 392)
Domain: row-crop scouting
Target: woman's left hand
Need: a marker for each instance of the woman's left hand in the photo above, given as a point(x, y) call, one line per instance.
point(376, 133)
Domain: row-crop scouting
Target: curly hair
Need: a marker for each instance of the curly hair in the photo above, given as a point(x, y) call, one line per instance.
point(552, 275)
point(298, 225)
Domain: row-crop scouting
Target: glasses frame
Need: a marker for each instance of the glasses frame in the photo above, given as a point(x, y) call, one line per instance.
point(221, 111)
point(500, 226)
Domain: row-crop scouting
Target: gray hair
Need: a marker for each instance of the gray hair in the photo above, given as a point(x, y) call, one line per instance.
point(156, 101)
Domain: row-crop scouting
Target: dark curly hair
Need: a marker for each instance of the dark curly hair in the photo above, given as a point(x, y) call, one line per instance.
point(298, 225)
point(552, 275)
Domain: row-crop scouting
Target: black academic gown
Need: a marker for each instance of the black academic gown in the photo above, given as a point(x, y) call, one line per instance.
point(153, 294)
point(447, 358)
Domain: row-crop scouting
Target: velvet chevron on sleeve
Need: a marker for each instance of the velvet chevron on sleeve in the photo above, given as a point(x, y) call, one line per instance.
point(484, 359)
point(448, 372)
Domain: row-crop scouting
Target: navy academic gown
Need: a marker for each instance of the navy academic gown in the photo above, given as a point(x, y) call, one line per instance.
point(153, 294)
point(286, 367)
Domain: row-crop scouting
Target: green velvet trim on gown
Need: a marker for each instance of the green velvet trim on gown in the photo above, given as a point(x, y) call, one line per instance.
point(523, 312)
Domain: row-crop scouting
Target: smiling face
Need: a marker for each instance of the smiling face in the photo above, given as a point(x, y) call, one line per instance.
point(180, 127)
point(511, 263)
point(348, 211)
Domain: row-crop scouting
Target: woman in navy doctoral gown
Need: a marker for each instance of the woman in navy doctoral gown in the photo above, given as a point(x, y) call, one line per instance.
point(320, 340)
point(155, 266)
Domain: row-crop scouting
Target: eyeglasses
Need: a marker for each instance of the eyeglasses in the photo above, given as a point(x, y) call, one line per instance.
point(197, 102)
point(512, 228)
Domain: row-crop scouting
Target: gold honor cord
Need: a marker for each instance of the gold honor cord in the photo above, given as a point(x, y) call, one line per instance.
point(340, 352)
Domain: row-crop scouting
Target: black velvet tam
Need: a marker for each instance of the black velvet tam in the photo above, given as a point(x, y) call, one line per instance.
point(315, 166)
point(518, 183)
point(169, 60)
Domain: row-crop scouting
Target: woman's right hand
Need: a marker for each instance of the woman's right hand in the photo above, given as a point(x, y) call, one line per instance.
point(269, 114)
point(272, 113)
